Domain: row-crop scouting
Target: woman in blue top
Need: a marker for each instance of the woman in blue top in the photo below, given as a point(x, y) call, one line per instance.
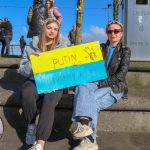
point(91, 98)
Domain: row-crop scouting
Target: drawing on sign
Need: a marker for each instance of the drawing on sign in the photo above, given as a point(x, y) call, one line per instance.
point(66, 67)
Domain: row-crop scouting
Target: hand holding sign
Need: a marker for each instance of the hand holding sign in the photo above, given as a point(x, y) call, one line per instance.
point(68, 67)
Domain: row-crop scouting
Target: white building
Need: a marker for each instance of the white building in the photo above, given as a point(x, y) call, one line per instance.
point(136, 20)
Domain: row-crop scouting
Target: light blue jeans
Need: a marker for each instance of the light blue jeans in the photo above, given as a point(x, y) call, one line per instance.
point(89, 100)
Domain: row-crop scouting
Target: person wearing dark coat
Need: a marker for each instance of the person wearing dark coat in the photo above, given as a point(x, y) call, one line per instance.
point(7, 26)
point(91, 98)
point(37, 14)
point(72, 35)
point(22, 45)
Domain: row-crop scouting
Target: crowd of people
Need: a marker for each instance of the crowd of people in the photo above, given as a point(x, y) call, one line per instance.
point(44, 22)
point(37, 14)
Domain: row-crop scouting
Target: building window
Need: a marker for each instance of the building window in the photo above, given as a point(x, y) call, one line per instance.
point(142, 2)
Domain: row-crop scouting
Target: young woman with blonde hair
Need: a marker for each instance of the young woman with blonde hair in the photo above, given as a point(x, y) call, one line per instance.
point(38, 134)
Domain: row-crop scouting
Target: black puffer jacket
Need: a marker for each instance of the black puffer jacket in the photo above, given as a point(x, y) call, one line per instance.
point(39, 14)
point(117, 68)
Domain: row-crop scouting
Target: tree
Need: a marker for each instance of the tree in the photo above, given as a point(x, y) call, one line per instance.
point(80, 4)
point(116, 7)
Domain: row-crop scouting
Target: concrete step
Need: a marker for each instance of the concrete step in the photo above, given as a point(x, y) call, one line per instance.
point(140, 80)
point(138, 76)
point(138, 99)
point(9, 62)
point(10, 96)
point(116, 130)
point(143, 66)
point(11, 75)
point(135, 79)
point(13, 61)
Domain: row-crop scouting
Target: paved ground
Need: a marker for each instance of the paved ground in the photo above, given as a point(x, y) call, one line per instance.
point(107, 141)
point(14, 134)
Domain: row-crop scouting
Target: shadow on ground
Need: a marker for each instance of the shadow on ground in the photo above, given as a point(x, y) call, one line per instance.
point(15, 119)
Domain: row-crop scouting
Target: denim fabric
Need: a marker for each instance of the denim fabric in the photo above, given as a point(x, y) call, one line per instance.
point(8, 39)
point(89, 100)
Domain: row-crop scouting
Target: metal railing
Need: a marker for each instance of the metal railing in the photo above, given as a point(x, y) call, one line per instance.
point(14, 49)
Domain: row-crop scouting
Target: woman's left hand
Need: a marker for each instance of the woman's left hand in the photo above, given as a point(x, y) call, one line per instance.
point(37, 53)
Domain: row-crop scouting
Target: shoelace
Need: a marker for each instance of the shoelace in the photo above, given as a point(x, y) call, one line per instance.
point(81, 128)
point(85, 140)
point(78, 129)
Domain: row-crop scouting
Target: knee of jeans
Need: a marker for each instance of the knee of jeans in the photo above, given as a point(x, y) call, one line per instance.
point(83, 87)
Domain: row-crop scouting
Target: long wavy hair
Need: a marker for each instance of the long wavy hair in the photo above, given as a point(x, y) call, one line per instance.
point(42, 38)
point(51, 2)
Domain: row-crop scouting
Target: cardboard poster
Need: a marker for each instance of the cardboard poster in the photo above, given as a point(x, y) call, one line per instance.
point(66, 67)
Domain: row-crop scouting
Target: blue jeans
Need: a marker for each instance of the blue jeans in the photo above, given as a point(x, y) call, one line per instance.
point(89, 100)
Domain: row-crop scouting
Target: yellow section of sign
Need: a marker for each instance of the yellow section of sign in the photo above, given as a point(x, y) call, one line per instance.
point(65, 57)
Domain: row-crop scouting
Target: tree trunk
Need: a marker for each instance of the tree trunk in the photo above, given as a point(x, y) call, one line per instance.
point(79, 21)
point(116, 7)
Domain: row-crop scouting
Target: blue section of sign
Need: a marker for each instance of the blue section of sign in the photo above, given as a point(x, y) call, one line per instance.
point(70, 76)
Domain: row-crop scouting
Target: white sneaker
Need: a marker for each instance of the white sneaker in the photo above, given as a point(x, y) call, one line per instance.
point(82, 131)
point(31, 134)
point(36, 147)
point(86, 144)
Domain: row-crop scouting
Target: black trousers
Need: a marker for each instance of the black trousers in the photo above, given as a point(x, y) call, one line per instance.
point(48, 104)
point(3, 46)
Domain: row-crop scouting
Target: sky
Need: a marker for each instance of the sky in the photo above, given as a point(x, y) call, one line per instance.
point(95, 17)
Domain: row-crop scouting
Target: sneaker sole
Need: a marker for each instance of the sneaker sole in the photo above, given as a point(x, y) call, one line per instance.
point(94, 148)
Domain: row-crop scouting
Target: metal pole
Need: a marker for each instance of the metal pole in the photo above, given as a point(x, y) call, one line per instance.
point(12, 49)
point(80, 4)
point(108, 5)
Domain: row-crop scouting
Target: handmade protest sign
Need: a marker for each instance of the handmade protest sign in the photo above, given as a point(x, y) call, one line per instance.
point(66, 67)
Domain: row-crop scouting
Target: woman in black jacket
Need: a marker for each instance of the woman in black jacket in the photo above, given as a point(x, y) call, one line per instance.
point(91, 98)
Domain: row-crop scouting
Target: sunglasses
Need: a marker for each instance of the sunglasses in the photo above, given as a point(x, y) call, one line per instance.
point(115, 31)
point(115, 22)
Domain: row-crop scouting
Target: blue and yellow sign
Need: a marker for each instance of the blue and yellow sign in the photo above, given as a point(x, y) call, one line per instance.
point(66, 67)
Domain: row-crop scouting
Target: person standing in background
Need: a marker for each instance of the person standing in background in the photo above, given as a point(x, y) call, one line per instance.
point(7, 26)
point(2, 38)
point(36, 15)
point(53, 11)
point(22, 45)
point(72, 35)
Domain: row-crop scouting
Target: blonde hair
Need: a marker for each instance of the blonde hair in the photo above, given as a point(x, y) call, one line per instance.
point(114, 22)
point(42, 38)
